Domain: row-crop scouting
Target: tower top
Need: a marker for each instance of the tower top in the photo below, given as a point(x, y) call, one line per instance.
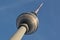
point(30, 19)
point(37, 10)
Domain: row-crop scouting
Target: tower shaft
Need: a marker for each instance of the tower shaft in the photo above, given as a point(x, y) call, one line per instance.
point(19, 34)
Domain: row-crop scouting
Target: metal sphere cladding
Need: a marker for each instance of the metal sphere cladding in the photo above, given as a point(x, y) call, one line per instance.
point(30, 19)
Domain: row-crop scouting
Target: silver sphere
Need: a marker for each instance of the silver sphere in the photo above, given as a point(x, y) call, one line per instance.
point(30, 19)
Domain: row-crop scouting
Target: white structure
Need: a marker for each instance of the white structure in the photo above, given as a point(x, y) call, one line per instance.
point(19, 34)
point(27, 23)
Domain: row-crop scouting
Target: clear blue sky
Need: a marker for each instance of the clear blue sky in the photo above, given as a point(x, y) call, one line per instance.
point(49, 18)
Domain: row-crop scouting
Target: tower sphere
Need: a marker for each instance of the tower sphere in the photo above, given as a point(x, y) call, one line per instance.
point(30, 19)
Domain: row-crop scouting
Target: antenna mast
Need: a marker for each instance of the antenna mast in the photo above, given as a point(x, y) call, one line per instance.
point(37, 10)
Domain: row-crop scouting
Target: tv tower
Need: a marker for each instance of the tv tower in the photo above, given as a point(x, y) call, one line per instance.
point(27, 23)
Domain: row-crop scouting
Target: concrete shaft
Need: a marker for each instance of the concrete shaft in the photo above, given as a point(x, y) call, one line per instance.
point(19, 34)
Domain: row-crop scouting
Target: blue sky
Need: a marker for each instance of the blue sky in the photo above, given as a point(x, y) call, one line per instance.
point(49, 18)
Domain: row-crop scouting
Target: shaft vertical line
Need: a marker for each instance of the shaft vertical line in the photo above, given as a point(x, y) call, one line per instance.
point(19, 34)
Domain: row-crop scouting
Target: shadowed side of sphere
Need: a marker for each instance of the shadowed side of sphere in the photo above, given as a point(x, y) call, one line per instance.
point(30, 19)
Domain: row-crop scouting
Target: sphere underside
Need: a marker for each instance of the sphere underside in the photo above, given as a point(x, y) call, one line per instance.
point(30, 19)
